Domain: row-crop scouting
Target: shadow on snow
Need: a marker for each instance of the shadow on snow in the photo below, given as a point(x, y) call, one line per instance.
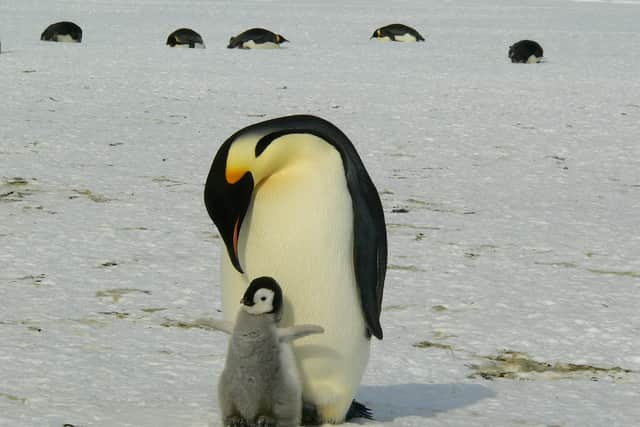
point(389, 402)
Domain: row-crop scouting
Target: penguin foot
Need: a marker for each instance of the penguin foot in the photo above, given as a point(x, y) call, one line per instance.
point(358, 410)
point(235, 421)
point(310, 415)
point(265, 421)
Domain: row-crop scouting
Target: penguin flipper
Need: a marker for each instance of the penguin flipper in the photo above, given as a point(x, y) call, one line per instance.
point(217, 324)
point(298, 331)
point(358, 410)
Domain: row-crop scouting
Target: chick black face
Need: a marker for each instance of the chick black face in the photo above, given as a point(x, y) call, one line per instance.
point(263, 296)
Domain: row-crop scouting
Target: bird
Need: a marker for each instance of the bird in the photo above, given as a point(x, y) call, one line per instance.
point(526, 51)
point(63, 31)
point(397, 33)
point(260, 384)
point(292, 199)
point(256, 38)
point(185, 37)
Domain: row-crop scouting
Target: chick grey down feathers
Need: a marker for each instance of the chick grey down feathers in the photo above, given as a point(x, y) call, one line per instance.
point(260, 383)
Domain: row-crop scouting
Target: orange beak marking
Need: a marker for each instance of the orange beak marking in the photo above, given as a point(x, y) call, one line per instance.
point(233, 175)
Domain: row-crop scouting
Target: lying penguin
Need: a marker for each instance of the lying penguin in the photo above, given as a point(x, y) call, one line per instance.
point(185, 37)
point(256, 38)
point(397, 33)
point(260, 384)
point(526, 51)
point(63, 31)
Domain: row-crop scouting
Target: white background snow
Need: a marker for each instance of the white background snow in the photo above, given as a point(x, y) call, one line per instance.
point(511, 193)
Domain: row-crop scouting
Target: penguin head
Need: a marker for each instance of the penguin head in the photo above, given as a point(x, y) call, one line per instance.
point(280, 39)
point(376, 34)
point(263, 296)
point(251, 156)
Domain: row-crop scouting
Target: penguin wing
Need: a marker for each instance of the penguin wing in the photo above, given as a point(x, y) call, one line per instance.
point(369, 244)
point(298, 331)
point(217, 324)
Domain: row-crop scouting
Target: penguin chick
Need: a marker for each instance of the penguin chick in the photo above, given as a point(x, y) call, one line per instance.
point(260, 384)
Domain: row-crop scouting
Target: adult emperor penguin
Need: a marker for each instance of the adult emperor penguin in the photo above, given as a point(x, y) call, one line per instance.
point(185, 37)
point(63, 31)
point(397, 33)
point(260, 383)
point(256, 38)
point(526, 51)
point(292, 200)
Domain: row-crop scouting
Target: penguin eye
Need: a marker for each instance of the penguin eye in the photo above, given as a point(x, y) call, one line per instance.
point(263, 298)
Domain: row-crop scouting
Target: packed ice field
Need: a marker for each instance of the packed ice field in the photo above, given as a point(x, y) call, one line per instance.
point(510, 191)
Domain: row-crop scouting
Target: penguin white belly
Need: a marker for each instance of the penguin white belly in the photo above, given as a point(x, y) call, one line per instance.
point(253, 45)
point(405, 38)
point(65, 38)
point(384, 39)
point(533, 59)
point(195, 45)
point(299, 230)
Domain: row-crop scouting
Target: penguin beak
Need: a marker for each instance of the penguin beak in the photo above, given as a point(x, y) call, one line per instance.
point(227, 203)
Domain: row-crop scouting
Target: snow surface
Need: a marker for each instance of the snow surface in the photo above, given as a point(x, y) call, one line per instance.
point(511, 192)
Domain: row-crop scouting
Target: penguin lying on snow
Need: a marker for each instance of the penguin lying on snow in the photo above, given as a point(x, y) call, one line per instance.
point(397, 33)
point(292, 199)
point(256, 38)
point(260, 384)
point(185, 37)
point(62, 32)
point(526, 51)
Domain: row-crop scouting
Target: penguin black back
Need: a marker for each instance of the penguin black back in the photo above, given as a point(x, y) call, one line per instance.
point(525, 51)
point(62, 31)
point(185, 37)
point(397, 32)
point(255, 37)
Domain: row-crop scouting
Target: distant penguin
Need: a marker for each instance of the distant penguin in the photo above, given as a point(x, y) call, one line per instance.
point(256, 38)
point(292, 199)
point(185, 37)
point(397, 33)
point(525, 51)
point(260, 383)
point(62, 32)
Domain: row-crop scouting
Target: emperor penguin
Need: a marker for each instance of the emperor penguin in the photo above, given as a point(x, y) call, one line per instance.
point(256, 38)
point(397, 33)
point(63, 31)
point(526, 52)
point(260, 384)
point(185, 37)
point(292, 199)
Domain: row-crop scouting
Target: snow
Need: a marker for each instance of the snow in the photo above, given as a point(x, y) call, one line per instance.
point(520, 247)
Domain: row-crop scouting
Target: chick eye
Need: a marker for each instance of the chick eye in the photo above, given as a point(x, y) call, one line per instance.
point(263, 298)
